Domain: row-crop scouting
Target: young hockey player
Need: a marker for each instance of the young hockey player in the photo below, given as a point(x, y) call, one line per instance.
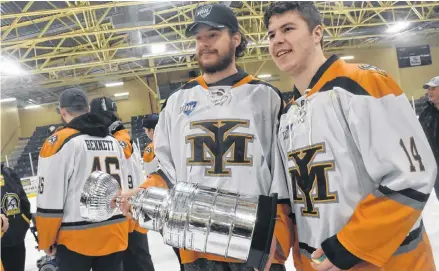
point(360, 167)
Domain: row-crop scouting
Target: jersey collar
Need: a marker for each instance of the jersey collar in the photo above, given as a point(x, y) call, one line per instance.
point(232, 80)
point(328, 63)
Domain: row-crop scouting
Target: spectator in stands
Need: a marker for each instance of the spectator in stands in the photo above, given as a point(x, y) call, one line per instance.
point(429, 119)
point(15, 213)
point(137, 257)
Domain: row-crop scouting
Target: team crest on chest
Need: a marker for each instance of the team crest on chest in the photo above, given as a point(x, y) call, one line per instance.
point(187, 108)
point(11, 204)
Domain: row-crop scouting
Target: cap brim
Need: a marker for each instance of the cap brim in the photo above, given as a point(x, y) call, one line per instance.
point(191, 30)
point(428, 85)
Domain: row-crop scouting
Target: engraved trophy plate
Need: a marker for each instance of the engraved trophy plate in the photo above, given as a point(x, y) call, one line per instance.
point(192, 217)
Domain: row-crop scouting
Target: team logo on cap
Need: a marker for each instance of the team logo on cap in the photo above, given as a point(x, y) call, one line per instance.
point(187, 108)
point(204, 11)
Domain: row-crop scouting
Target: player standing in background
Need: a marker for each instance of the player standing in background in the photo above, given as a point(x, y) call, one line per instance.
point(66, 160)
point(15, 207)
point(137, 256)
point(360, 166)
point(429, 119)
point(149, 159)
point(220, 130)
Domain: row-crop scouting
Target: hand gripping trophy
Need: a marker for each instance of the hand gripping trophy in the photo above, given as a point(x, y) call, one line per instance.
point(192, 217)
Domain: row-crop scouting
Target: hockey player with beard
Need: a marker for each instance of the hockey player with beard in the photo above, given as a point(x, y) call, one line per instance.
point(219, 130)
point(137, 256)
point(360, 166)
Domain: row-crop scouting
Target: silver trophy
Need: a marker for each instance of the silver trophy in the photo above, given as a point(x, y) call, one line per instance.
point(191, 216)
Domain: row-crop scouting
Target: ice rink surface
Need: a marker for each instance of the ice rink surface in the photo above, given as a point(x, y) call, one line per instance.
point(165, 260)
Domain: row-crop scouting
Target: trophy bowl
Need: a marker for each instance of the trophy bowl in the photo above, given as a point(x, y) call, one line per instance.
point(192, 216)
point(99, 191)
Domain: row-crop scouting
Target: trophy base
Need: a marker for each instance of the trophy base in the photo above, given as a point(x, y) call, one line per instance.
point(263, 232)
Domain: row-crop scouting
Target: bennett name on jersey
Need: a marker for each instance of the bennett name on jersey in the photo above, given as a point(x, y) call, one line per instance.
point(99, 145)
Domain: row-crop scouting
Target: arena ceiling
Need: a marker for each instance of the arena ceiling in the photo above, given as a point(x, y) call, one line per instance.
point(55, 45)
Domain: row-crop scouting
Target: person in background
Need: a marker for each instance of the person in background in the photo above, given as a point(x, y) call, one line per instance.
point(150, 162)
point(137, 256)
point(16, 216)
point(149, 159)
point(66, 160)
point(429, 119)
point(360, 169)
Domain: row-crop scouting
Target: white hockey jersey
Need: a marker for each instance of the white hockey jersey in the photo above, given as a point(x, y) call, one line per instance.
point(66, 160)
point(360, 170)
point(223, 136)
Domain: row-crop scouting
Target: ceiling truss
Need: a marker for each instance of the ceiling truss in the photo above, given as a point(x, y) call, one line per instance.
point(90, 48)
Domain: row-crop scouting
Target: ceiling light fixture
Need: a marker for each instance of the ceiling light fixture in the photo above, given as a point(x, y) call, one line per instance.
point(347, 57)
point(397, 27)
point(7, 100)
point(114, 84)
point(32, 106)
point(158, 48)
point(121, 94)
point(264, 76)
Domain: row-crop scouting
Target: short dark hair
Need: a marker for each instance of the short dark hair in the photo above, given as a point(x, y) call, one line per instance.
point(307, 10)
point(76, 110)
point(240, 50)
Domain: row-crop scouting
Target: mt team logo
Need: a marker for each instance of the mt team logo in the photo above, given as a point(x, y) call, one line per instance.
point(187, 108)
point(204, 11)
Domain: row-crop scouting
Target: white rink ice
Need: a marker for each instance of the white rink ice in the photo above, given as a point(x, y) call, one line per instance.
point(165, 260)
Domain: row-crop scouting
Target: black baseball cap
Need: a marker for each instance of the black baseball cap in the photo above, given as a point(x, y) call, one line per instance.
point(103, 104)
point(215, 15)
point(150, 121)
point(73, 98)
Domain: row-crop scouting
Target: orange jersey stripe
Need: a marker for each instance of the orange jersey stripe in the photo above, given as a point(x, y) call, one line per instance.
point(371, 231)
point(47, 228)
point(101, 240)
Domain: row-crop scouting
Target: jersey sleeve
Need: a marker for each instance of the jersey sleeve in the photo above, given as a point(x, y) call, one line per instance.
point(398, 159)
point(55, 168)
point(165, 174)
point(283, 228)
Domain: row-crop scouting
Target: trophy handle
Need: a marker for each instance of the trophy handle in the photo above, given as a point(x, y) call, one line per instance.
point(263, 232)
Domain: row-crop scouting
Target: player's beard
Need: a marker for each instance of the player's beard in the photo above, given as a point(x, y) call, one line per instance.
point(222, 63)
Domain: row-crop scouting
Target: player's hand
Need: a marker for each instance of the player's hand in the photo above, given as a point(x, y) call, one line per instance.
point(324, 265)
point(51, 250)
point(5, 223)
point(125, 206)
point(271, 256)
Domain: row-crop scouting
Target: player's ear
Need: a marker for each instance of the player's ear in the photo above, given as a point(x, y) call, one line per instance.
point(236, 39)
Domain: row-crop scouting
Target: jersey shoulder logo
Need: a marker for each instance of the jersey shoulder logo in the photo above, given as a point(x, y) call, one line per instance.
point(11, 204)
point(219, 147)
point(52, 139)
point(148, 149)
point(310, 179)
point(372, 68)
point(123, 144)
point(188, 107)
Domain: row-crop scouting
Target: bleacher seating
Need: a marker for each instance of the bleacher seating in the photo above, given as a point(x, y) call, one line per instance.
point(33, 146)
